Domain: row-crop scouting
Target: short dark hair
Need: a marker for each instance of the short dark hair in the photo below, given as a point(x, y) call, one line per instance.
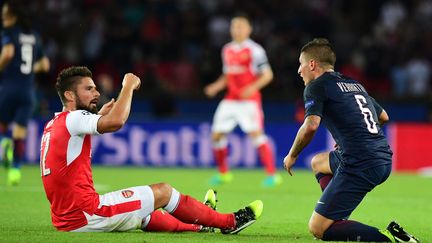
point(68, 79)
point(18, 9)
point(320, 49)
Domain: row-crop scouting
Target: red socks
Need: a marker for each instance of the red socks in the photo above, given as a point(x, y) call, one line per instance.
point(162, 221)
point(220, 155)
point(265, 154)
point(191, 211)
point(323, 180)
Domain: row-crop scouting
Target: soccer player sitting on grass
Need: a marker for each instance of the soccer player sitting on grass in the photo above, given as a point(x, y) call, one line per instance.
point(364, 158)
point(67, 175)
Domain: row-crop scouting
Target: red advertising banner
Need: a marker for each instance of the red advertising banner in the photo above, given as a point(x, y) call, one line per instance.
point(412, 146)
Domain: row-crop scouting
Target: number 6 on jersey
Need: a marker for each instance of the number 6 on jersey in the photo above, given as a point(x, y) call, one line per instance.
point(367, 114)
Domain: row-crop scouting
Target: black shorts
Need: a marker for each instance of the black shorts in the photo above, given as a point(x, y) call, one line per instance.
point(348, 188)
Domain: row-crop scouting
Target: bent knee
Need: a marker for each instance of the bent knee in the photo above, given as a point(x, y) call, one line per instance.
point(316, 229)
point(316, 163)
point(162, 193)
point(162, 188)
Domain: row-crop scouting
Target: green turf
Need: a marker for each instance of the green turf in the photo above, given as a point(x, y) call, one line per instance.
point(25, 216)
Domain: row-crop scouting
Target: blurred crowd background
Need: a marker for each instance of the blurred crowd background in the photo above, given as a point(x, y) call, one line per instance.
point(174, 46)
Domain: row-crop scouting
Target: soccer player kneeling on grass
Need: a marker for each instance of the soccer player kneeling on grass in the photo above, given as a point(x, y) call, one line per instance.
point(67, 175)
point(363, 159)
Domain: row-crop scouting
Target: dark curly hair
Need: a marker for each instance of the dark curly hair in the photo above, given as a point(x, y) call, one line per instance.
point(68, 79)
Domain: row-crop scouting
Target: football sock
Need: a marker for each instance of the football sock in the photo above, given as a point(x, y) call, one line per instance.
point(191, 211)
point(5, 134)
point(161, 221)
point(19, 152)
point(265, 154)
point(323, 179)
point(349, 230)
point(221, 158)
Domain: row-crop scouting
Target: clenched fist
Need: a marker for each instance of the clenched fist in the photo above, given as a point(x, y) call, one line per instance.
point(131, 80)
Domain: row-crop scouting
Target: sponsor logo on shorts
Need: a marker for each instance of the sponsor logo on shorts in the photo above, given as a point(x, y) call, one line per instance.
point(127, 193)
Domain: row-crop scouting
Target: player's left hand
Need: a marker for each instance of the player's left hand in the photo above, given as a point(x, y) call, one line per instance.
point(248, 91)
point(289, 162)
point(106, 108)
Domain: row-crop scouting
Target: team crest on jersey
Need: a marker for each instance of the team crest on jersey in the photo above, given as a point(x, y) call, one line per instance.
point(127, 193)
point(244, 56)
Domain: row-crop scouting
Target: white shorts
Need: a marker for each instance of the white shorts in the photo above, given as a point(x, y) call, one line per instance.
point(121, 210)
point(230, 113)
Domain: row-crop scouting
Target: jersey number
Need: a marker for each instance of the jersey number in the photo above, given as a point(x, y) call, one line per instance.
point(44, 151)
point(367, 114)
point(27, 58)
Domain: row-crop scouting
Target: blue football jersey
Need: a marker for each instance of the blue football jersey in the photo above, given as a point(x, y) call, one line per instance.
point(28, 50)
point(350, 115)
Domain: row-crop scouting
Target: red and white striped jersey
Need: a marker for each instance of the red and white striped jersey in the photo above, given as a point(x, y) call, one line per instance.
point(242, 63)
point(66, 168)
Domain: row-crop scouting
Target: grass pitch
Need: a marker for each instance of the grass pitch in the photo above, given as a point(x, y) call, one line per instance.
point(25, 216)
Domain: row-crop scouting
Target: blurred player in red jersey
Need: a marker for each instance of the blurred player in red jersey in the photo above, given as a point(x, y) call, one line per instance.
point(245, 71)
point(67, 174)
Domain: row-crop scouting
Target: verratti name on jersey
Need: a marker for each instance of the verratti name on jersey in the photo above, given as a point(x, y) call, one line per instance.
point(350, 87)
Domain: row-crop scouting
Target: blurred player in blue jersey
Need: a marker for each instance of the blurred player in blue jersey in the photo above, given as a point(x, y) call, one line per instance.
point(363, 158)
point(21, 57)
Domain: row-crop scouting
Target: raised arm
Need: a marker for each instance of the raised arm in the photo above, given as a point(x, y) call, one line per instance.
point(119, 113)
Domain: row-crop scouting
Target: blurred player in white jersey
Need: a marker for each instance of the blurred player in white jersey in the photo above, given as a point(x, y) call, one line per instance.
point(245, 71)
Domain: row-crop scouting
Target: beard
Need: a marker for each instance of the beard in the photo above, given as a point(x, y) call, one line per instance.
point(92, 108)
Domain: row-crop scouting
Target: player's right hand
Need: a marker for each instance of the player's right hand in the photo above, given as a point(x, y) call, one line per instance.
point(288, 163)
point(132, 80)
point(211, 90)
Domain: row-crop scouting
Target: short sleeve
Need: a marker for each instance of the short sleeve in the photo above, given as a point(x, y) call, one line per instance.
point(39, 52)
point(223, 54)
point(260, 60)
point(378, 107)
point(81, 122)
point(6, 37)
point(314, 98)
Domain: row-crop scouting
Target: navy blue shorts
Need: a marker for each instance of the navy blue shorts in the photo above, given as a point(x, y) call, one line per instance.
point(335, 159)
point(348, 188)
point(16, 106)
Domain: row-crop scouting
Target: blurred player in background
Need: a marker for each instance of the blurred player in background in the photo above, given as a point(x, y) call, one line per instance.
point(363, 159)
point(21, 57)
point(245, 71)
point(67, 175)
